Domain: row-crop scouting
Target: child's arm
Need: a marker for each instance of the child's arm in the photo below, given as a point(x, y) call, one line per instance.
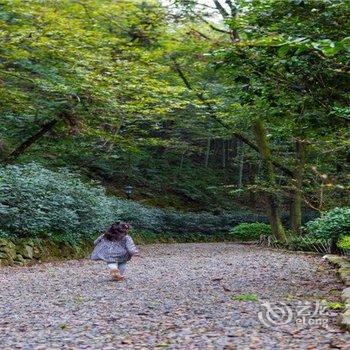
point(130, 246)
point(98, 240)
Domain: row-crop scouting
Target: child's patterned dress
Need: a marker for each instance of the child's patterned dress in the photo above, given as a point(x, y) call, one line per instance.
point(114, 251)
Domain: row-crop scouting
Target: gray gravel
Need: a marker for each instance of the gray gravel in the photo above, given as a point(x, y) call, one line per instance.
point(176, 296)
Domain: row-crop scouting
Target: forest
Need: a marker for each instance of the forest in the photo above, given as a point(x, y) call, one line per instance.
point(183, 117)
point(175, 174)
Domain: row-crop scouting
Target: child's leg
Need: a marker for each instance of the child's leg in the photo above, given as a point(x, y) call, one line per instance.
point(113, 266)
point(114, 271)
point(122, 267)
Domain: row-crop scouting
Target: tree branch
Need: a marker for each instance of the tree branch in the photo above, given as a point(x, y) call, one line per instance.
point(195, 31)
point(220, 8)
point(45, 128)
point(212, 114)
point(31, 140)
point(232, 7)
point(213, 27)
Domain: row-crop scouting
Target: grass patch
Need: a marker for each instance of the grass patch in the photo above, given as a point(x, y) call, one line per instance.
point(335, 305)
point(245, 297)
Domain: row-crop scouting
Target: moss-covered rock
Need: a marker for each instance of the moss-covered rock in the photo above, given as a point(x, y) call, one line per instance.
point(38, 251)
point(19, 260)
point(3, 242)
point(27, 251)
point(4, 262)
point(3, 255)
point(335, 259)
point(344, 319)
point(343, 265)
point(8, 251)
point(346, 295)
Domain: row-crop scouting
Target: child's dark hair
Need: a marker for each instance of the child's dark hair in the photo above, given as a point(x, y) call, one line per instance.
point(117, 231)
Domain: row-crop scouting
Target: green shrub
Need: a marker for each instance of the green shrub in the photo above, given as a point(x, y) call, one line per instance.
point(38, 202)
point(205, 222)
point(308, 243)
point(35, 201)
point(146, 237)
point(344, 242)
point(245, 297)
point(141, 217)
point(250, 231)
point(160, 221)
point(332, 224)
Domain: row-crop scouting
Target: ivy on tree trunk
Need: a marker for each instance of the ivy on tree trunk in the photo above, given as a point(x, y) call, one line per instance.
point(295, 210)
point(269, 174)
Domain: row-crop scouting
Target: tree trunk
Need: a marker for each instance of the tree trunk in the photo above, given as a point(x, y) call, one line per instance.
point(207, 153)
point(228, 153)
point(240, 154)
point(272, 198)
point(223, 154)
point(181, 162)
point(295, 209)
point(31, 140)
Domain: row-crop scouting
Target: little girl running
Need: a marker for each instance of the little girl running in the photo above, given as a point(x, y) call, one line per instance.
point(115, 247)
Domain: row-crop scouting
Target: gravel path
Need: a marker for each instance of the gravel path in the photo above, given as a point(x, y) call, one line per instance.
point(176, 296)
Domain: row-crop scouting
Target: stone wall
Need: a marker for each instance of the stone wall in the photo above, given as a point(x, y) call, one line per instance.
point(28, 251)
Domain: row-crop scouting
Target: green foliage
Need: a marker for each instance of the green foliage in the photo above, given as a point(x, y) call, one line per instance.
point(245, 297)
point(141, 217)
point(344, 242)
point(332, 305)
point(246, 231)
point(37, 202)
point(308, 243)
point(207, 222)
point(105, 72)
point(157, 220)
point(332, 224)
point(147, 237)
point(68, 237)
